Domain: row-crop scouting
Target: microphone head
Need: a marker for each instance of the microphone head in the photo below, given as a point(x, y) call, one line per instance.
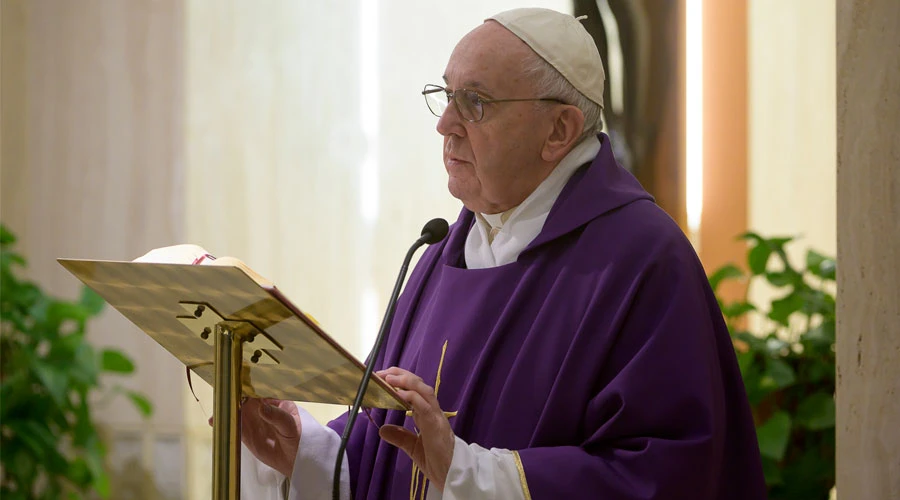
point(434, 231)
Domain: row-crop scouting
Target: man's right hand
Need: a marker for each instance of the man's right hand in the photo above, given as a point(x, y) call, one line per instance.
point(270, 428)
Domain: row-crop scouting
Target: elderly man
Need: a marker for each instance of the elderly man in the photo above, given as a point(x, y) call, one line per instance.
point(562, 341)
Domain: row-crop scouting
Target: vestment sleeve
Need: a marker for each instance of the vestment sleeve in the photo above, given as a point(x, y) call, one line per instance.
point(663, 404)
point(314, 465)
point(258, 480)
point(477, 473)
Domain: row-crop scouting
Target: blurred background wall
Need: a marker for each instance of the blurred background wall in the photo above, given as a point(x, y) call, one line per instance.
point(293, 135)
point(93, 166)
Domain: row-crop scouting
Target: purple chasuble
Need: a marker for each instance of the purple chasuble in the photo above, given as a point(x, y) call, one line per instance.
point(600, 355)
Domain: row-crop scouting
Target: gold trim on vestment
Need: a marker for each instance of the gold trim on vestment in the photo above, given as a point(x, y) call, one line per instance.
point(522, 475)
point(414, 479)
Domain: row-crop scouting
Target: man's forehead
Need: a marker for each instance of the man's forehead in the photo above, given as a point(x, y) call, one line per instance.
point(486, 56)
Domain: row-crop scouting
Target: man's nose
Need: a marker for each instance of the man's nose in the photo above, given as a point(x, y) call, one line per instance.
point(450, 122)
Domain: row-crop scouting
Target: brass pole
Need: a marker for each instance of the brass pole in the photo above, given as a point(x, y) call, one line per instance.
point(226, 416)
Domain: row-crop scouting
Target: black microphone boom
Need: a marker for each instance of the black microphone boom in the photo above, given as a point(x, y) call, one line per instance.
point(434, 231)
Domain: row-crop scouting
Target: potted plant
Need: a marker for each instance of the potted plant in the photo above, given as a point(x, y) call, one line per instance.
point(788, 365)
point(48, 373)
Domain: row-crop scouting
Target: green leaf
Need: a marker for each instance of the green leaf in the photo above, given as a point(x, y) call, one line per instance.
point(777, 375)
point(821, 372)
point(751, 236)
point(19, 464)
point(26, 437)
point(59, 311)
point(41, 432)
point(10, 258)
point(64, 348)
point(79, 472)
point(91, 302)
point(773, 436)
point(737, 309)
point(55, 380)
point(822, 334)
point(83, 431)
point(784, 278)
point(808, 473)
point(783, 308)
point(756, 343)
point(6, 237)
point(820, 265)
point(816, 411)
point(758, 258)
point(112, 360)
point(777, 243)
point(724, 273)
point(141, 403)
point(94, 461)
point(817, 302)
point(772, 472)
point(84, 364)
point(745, 362)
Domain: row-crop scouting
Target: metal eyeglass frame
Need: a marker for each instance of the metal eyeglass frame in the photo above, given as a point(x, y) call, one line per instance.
point(478, 105)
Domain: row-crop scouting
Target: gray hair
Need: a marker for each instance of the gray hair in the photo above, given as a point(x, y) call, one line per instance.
point(549, 82)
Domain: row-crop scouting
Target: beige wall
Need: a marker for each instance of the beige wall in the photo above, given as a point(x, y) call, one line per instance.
point(791, 129)
point(868, 196)
point(792, 120)
point(92, 167)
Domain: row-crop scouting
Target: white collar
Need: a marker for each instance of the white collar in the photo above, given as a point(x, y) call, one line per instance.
point(518, 226)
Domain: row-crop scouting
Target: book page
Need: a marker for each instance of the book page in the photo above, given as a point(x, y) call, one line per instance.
point(195, 254)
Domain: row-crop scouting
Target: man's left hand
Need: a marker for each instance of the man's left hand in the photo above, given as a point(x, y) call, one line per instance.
point(432, 448)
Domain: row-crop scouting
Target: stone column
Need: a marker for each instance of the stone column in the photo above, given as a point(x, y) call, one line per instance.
point(868, 224)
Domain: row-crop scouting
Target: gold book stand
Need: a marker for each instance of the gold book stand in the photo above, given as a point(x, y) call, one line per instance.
point(243, 338)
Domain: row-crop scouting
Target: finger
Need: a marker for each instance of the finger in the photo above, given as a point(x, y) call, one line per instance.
point(400, 437)
point(419, 387)
point(290, 407)
point(393, 370)
point(255, 413)
point(405, 375)
point(283, 422)
point(409, 381)
point(427, 416)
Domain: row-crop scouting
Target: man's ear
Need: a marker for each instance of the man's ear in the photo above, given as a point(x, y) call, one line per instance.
point(567, 128)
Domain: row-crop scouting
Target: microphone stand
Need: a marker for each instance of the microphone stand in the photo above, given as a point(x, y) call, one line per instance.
point(434, 231)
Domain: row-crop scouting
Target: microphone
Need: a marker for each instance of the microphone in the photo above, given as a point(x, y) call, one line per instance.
point(434, 231)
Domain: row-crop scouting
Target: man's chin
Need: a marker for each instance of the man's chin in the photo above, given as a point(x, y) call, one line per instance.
point(459, 192)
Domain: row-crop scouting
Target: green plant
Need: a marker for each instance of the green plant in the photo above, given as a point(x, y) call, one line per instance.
point(788, 367)
point(48, 372)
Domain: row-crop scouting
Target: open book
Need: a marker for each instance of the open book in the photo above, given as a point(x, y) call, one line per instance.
point(177, 295)
point(197, 255)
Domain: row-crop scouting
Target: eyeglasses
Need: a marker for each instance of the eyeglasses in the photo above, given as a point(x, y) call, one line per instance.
point(469, 104)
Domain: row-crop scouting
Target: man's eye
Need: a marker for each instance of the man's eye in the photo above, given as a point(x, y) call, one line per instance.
point(473, 98)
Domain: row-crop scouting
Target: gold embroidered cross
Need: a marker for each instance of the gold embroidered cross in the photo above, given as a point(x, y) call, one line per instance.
point(437, 382)
point(414, 480)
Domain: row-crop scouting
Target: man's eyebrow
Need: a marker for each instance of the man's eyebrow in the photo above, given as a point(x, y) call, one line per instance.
point(471, 85)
